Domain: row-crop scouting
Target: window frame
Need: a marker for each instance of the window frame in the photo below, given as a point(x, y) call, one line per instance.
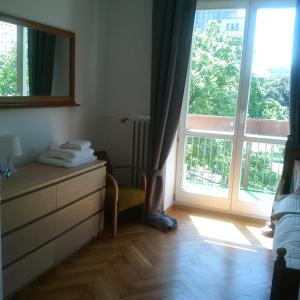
point(239, 136)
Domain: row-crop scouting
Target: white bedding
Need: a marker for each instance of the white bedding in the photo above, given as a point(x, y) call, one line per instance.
point(286, 214)
point(286, 204)
point(295, 182)
point(287, 235)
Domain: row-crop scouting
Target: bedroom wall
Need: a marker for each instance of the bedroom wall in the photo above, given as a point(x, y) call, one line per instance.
point(127, 74)
point(128, 57)
point(37, 127)
point(170, 174)
point(128, 80)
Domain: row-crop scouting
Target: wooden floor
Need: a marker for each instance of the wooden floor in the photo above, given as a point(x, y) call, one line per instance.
point(208, 257)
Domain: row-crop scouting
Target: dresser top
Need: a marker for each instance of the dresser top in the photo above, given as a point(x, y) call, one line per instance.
point(35, 176)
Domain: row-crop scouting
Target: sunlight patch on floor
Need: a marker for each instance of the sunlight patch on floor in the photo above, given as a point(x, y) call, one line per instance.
point(266, 242)
point(230, 246)
point(219, 230)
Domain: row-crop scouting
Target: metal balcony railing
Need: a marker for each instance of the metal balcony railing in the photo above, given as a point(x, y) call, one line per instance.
point(208, 161)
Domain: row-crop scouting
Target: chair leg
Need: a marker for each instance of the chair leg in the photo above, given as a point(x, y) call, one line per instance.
point(143, 213)
point(100, 232)
point(115, 221)
point(115, 204)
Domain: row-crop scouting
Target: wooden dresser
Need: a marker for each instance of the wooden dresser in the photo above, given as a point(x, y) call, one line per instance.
point(47, 214)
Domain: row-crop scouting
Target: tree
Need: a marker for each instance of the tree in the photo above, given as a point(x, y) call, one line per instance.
point(269, 98)
point(214, 85)
point(8, 73)
point(215, 72)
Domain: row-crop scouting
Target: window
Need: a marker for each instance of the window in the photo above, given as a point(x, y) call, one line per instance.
point(236, 121)
point(13, 60)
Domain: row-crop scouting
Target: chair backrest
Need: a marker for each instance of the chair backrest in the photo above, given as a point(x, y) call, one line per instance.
point(102, 155)
point(135, 179)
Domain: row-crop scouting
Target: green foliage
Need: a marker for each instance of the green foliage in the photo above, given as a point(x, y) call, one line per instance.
point(269, 98)
point(214, 86)
point(208, 159)
point(261, 177)
point(215, 72)
point(8, 73)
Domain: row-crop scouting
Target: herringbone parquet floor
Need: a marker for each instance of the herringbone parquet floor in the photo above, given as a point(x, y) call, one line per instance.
point(208, 257)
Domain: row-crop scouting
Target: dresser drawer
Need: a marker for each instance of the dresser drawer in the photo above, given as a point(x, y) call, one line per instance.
point(80, 186)
point(74, 239)
point(21, 273)
point(22, 241)
point(22, 210)
point(79, 211)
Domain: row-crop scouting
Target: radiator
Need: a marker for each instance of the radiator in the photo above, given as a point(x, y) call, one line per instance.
point(140, 133)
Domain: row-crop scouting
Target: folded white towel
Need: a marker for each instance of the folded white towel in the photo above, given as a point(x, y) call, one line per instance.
point(76, 145)
point(63, 163)
point(67, 154)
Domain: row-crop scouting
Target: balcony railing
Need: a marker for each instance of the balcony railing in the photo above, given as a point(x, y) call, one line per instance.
point(208, 160)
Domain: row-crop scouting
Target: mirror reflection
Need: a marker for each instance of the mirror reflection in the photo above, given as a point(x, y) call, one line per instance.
point(33, 62)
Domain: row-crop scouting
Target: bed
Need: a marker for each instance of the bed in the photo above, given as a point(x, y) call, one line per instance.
point(286, 219)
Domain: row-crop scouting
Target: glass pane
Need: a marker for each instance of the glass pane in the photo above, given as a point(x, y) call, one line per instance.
point(207, 166)
point(261, 170)
point(215, 69)
point(270, 78)
point(8, 59)
point(25, 75)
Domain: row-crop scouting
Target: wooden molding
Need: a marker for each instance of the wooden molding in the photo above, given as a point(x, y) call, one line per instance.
point(43, 101)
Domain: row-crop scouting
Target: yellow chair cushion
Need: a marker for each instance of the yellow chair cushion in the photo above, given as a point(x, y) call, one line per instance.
point(130, 197)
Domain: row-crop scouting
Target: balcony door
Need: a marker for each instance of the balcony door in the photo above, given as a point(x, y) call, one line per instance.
point(235, 117)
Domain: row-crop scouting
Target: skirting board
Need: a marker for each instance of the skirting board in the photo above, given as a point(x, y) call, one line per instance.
point(186, 206)
point(169, 209)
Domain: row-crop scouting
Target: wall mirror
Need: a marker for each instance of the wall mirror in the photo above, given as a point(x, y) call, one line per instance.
point(37, 65)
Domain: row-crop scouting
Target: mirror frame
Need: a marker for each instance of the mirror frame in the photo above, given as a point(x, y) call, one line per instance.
point(43, 101)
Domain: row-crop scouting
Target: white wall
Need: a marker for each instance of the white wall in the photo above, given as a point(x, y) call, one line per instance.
point(127, 74)
point(39, 126)
point(128, 60)
point(170, 174)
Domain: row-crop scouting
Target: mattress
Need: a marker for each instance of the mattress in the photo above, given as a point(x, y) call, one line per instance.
point(286, 215)
point(287, 235)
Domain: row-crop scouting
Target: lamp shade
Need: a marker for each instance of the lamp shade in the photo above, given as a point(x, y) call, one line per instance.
point(10, 146)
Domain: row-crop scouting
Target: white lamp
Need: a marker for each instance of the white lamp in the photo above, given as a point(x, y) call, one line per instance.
point(10, 147)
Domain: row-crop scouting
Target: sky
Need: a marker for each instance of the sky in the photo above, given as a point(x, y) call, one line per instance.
point(273, 39)
point(8, 37)
point(273, 36)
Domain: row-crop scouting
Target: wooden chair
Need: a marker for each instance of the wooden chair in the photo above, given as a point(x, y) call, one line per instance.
point(119, 197)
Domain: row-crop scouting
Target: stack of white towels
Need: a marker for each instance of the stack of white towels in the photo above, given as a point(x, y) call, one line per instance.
point(71, 154)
